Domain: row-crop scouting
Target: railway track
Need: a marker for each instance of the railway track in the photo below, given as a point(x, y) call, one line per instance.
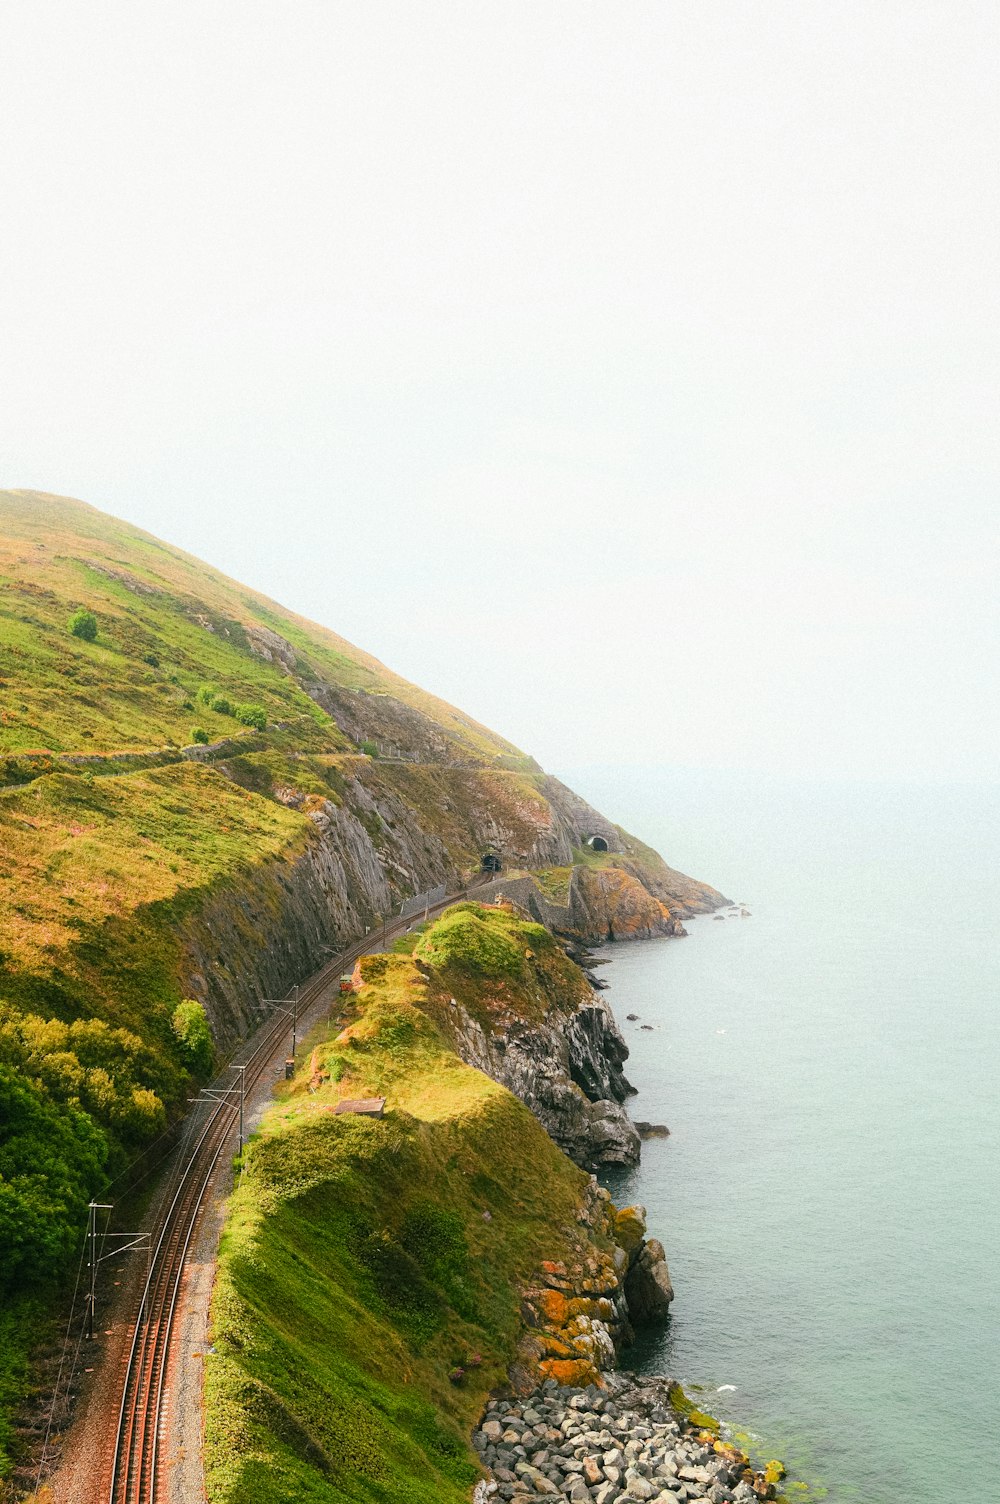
point(134, 1476)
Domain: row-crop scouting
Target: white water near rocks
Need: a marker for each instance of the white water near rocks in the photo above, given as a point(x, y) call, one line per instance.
point(829, 1197)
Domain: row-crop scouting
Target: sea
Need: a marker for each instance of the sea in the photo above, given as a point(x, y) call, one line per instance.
point(829, 1068)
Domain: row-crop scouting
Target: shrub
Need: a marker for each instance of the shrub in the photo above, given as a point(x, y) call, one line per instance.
point(83, 624)
point(221, 705)
point(206, 694)
point(251, 715)
point(199, 734)
point(151, 659)
point(194, 1036)
point(369, 748)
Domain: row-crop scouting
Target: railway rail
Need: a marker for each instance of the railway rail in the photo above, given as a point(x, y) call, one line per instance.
point(134, 1474)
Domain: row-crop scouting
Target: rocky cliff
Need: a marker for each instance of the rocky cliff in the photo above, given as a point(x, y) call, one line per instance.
point(515, 1005)
point(567, 1069)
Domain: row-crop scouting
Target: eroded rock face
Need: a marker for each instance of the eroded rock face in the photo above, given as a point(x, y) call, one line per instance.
point(568, 1071)
point(578, 1316)
point(610, 903)
point(647, 1286)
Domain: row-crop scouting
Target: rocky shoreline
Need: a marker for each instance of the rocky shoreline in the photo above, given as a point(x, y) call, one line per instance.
point(572, 1428)
point(624, 1441)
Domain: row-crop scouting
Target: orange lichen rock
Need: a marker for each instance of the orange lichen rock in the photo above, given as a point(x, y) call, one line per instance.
point(553, 1306)
point(610, 903)
point(554, 1274)
point(575, 1374)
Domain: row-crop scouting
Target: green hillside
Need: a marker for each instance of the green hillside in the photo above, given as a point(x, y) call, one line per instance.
point(201, 796)
point(167, 626)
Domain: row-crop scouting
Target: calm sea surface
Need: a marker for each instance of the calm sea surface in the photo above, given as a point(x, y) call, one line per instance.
point(829, 1198)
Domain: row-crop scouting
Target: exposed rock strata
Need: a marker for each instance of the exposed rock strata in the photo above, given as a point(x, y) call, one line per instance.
point(568, 1070)
point(374, 847)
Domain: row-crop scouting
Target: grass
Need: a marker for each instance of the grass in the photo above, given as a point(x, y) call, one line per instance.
point(360, 1269)
point(554, 883)
point(155, 602)
point(116, 848)
point(499, 966)
point(135, 851)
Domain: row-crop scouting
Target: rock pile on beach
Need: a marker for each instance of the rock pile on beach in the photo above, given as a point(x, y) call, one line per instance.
point(614, 1445)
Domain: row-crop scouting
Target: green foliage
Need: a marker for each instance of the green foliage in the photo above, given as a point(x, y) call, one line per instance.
point(206, 695)
point(369, 749)
point(199, 734)
point(554, 883)
point(251, 715)
point(108, 1073)
point(83, 624)
point(470, 938)
point(434, 1236)
point(191, 1029)
point(25, 1319)
point(51, 1158)
point(222, 706)
point(410, 1298)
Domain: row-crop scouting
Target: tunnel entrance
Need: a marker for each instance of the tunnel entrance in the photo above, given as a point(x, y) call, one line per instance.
point(597, 843)
point(491, 861)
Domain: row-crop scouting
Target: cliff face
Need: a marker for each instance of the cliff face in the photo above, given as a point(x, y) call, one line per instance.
point(567, 1069)
point(514, 1004)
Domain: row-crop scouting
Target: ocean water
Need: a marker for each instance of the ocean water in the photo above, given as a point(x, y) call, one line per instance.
point(829, 1068)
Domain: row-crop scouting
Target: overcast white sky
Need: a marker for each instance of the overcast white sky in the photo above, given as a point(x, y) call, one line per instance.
point(626, 373)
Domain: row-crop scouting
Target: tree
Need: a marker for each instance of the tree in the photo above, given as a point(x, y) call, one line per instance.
point(194, 1036)
point(83, 623)
point(51, 1161)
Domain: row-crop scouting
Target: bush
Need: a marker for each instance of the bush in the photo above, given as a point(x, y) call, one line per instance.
point(251, 715)
point(83, 624)
point(194, 1036)
point(221, 705)
point(151, 659)
point(199, 734)
point(369, 748)
point(206, 694)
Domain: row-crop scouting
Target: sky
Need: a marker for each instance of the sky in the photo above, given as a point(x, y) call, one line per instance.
point(626, 374)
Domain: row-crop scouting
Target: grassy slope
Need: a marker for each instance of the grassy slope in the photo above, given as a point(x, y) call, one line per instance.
point(151, 599)
point(357, 1269)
